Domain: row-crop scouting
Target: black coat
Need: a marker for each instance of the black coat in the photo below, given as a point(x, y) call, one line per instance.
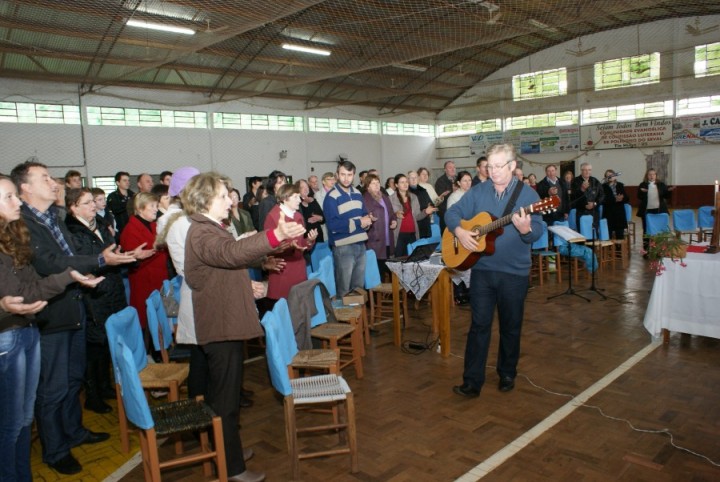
point(543, 190)
point(109, 296)
point(424, 200)
point(64, 311)
point(613, 210)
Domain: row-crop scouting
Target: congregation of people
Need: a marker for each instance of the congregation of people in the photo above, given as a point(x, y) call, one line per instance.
point(71, 256)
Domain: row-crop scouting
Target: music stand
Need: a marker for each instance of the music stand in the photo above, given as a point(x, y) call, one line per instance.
point(571, 237)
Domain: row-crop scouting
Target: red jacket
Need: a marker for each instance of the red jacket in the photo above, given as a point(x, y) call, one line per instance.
point(295, 270)
point(146, 275)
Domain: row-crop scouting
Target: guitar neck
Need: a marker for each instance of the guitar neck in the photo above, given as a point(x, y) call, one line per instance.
point(500, 222)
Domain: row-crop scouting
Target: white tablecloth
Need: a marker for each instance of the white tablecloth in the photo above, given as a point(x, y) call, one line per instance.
point(418, 278)
point(687, 299)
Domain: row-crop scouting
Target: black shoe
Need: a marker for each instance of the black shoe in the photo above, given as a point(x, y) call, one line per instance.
point(466, 391)
point(245, 402)
point(247, 393)
point(97, 405)
point(67, 465)
point(108, 393)
point(506, 384)
point(93, 438)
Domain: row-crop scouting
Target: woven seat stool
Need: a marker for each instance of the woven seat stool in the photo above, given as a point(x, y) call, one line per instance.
point(331, 333)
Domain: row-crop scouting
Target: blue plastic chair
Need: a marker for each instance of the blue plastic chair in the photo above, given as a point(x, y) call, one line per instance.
point(161, 331)
point(325, 390)
point(657, 223)
point(684, 223)
point(319, 252)
point(172, 418)
point(125, 324)
point(706, 220)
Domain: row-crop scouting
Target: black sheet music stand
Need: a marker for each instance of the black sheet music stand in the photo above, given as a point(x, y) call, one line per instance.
point(571, 237)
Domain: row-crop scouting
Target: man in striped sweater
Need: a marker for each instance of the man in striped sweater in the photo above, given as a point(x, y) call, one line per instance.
point(347, 222)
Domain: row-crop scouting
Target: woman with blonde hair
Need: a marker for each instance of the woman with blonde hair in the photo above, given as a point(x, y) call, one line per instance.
point(148, 274)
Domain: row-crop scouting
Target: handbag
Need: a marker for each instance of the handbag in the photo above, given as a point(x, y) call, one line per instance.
point(172, 307)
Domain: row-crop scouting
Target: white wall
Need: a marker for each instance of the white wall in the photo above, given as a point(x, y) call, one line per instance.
point(492, 98)
point(236, 153)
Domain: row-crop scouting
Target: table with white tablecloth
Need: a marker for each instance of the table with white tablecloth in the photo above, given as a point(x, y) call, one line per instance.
point(418, 278)
point(686, 299)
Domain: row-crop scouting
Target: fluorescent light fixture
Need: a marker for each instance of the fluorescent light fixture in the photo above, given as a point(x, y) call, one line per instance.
point(160, 26)
point(307, 50)
point(538, 23)
point(416, 68)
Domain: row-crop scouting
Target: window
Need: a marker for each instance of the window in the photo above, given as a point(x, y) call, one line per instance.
point(400, 129)
point(120, 116)
point(319, 124)
point(566, 118)
point(264, 122)
point(536, 85)
point(627, 112)
point(707, 60)
point(22, 112)
point(627, 71)
point(698, 105)
point(106, 183)
point(466, 128)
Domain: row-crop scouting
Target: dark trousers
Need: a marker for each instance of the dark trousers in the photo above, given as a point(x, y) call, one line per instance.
point(402, 242)
point(198, 376)
point(225, 363)
point(57, 410)
point(490, 289)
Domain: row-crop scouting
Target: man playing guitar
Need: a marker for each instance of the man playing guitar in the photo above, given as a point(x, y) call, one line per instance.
point(499, 279)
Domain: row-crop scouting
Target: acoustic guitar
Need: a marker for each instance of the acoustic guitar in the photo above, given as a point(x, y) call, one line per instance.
point(487, 228)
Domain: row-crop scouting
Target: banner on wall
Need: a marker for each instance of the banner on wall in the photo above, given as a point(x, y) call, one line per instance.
point(624, 135)
point(480, 143)
point(544, 140)
point(696, 130)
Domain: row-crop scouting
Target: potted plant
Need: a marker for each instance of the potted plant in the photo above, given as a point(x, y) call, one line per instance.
point(665, 245)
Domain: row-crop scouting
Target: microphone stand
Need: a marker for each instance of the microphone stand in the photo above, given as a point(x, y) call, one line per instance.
point(594, 257)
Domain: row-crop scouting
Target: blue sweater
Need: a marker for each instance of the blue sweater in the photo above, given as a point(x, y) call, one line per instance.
point(343, 211)
point(512, 250)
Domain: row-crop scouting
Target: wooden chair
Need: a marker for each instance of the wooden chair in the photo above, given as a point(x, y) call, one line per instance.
point(347, 336)
point(161, 331)
point(325, 360)
point(380, 294)
point(684, 223)
point(167, 419)
point(322, 391)
point(153, 376)
point(540, 255)
point(706, 220)
point(630, 223)
point(604, 247)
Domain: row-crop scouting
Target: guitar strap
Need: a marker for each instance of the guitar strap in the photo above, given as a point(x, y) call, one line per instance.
point(513, 199)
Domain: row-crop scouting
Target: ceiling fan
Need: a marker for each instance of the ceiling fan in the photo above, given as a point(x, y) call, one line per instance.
point(696, 31)
point(580, 52)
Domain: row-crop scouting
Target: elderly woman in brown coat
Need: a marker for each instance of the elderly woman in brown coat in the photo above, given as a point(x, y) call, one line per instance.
point(224, 301)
